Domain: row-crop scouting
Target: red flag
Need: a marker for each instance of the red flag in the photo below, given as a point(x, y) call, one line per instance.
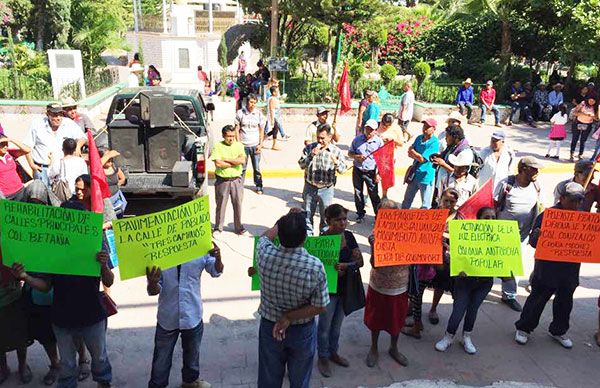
point(484, 197)
point(99, 187)
point(343, 89)
point(384, 158)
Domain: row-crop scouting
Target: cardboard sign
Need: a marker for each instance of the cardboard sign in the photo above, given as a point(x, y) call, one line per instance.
point(570, 236)
point(485, 248)
point(412, 236)
point(50, 239)
point(325, 248)
point(164, 239)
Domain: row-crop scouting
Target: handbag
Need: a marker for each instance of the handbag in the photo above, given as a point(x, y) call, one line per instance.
point(596, 135)
point(353, 297)
point(60, 187)
point(110, 307)
point(409, 176)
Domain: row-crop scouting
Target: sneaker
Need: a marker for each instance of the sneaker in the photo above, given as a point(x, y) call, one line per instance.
point(286, 138)
point(196, 384)
point(547, 156)
point(360, 219)
point(513, 304)
point(563, 340)
point(554, 157)
point(521, 337)
point(444, 343)
point(259, 191)
point(468, 344)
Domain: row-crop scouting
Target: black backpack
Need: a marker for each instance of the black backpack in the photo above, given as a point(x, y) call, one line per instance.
point(477, 163)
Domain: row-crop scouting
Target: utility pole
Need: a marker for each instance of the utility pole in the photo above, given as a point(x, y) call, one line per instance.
point(274, 30)
point(164, 16)
point(135, 17)
point(210, 17)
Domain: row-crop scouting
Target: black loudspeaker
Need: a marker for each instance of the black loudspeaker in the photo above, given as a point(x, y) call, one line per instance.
point(164, 148)
point(128, 139)
point(157, 109)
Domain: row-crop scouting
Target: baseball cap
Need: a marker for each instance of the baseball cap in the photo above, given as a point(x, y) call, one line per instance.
point(490, 82)
point(54, 107)
point(584, 166)
point(369, 93)
point(462, 159)
point(499, 135)
point(321, 110)
point(373, 124)
point(455, 116)
point(69, 102)
point(431, 122)
point(573, 190)
point(530, 161)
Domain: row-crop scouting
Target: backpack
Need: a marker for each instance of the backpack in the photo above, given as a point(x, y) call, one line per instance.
point(60, 187)
point(477, 163)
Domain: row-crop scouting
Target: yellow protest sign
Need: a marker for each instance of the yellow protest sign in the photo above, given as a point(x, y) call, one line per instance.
point(164, 239)
point(485, 248)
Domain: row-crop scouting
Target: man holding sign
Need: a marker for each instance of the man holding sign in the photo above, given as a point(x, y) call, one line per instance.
point(549, 278)
point(294, 291)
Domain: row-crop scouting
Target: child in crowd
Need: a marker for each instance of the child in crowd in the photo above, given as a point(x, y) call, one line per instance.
point(330, 322)
point(557, 132)
point(469, 292)
point(430, 276)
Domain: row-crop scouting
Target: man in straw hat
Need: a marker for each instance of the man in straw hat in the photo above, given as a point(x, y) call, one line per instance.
point(464, 98)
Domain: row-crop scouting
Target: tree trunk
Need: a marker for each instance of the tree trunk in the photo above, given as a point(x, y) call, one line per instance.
point(571, 73)
point(505, 49)
point(40, 25)
point(329, 59)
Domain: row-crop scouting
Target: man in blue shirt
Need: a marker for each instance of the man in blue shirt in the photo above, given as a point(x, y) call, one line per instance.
point(464, 98)
point(555, 97)
point(180, 312)
point(422, 177)
point(365, 168)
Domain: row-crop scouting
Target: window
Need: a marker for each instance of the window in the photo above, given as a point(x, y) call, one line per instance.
point(184, 58)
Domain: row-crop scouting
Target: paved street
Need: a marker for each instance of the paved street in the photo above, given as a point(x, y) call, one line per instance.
point(229, 349)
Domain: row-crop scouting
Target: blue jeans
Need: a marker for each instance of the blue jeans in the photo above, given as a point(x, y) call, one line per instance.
point(94, 337)
point(469, 294)
point(279, 125)
point(465, 105)
point(411, 190)
point(164, 343)
point(311, 195)
point(255, 159)
point(330, 325)
point(596, 150)
point(359, 179)
point(43, 176)
point(296, 352)
point(494, 110)
point(525, 109)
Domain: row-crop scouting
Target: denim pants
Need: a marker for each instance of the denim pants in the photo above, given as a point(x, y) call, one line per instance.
point(596, 150)
point(469, 294)
point(255, 159)
point(330, 325)
point(312, 195)
point(94, 337)
point(359, 179)
point(296, 351)
point(465, 105)
point(43, 176)
point(524, 109)
point(581, 136)
point(164, 343)
point(426, 191)
point(494, 110)
point(536, 301)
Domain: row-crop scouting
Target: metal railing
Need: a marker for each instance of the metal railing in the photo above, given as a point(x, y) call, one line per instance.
point(19, 87)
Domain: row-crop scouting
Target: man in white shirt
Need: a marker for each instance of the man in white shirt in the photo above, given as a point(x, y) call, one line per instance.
point(498, 160)
point(45, 138)
point(407, 105)
point(250, 130)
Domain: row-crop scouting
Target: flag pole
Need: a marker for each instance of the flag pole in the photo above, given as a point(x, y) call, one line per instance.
point(591, 174)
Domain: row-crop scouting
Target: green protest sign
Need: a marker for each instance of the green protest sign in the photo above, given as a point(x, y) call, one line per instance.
point(325, 248)
point(485, 248)
point(49, 239)
point(164, 239)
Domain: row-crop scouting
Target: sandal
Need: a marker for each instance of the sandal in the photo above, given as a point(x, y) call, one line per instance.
point(51, 376)
point(25, 375)
point(84, 370)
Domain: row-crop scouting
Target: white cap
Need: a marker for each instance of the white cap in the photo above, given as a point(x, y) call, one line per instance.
point(373, 124)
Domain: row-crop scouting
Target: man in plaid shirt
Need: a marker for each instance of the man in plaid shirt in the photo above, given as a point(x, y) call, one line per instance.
point(320, 162)
point(293, 292)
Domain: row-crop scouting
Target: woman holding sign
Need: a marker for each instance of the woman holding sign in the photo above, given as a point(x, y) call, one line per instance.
point(387, 302)
point(330, 322)
point(469, 292)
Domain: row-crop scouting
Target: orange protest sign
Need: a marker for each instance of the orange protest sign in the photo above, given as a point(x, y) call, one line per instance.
point(409, 236)
point(569, 236)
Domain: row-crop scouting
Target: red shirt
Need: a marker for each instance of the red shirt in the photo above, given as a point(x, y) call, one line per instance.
point(10, 181)
point(487, 96)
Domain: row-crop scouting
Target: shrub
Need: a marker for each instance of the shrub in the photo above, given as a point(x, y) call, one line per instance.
point(356, 72)
point(421, 70)
point(388, 73)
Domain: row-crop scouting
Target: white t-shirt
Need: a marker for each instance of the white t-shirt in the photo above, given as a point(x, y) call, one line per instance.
point(43, 140)
point(559, 119)
point(496, 169)
point(520, 205)
point(465, 187)
point(250, 124)
point(408, 102)
point(74, 166)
